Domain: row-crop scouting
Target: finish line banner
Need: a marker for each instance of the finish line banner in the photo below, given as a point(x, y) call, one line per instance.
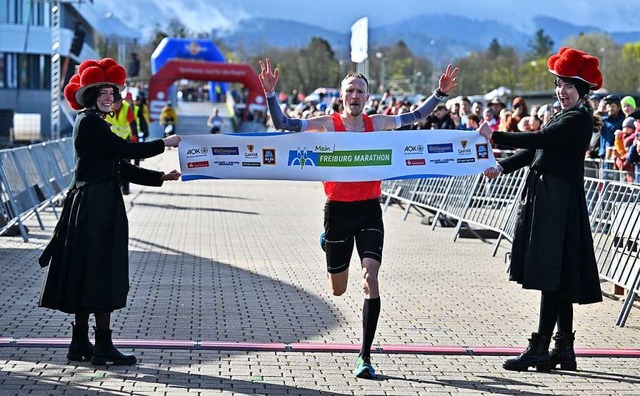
point(334, 156)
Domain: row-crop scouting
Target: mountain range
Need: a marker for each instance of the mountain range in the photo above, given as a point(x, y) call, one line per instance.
point(439, 37)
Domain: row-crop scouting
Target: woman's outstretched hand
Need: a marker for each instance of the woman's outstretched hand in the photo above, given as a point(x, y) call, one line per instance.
point(171, 141)
point(485, 130)
point(171, 176)
point(493, 172)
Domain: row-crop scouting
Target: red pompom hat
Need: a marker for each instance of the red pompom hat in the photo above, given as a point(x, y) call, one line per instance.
point(573, 63)
point(91, 73)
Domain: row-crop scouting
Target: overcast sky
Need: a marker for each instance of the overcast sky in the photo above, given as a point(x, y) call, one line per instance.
point(339, 15)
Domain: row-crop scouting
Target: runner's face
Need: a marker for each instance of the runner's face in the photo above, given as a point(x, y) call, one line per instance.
point(354, 95)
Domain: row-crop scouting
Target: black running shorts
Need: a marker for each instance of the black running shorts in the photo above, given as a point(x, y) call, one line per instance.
point(346, 222)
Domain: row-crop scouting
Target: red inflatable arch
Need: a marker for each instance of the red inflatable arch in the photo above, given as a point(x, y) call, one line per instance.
point(205, 71)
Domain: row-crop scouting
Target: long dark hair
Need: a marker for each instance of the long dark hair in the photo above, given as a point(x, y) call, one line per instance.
point(597, 120)
point(583, 90)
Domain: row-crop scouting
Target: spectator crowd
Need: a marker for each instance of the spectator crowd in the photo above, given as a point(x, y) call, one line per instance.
point(614, 152)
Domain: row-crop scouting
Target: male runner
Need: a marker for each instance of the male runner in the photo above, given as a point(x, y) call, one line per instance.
point(352, 212)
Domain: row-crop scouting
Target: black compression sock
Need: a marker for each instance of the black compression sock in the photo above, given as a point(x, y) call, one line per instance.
point(370, 315)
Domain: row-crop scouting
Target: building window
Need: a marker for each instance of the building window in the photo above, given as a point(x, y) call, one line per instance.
point(25, 71)
point(3, 71)
point(11, 76)
point(4, 11)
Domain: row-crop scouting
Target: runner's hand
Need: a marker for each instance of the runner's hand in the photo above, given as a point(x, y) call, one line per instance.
point(267, 78)
point(448, 80)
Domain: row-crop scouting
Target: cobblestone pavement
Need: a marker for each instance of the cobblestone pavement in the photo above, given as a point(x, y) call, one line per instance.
point(239, 261)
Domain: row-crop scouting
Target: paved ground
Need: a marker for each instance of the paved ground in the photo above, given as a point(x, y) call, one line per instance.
point(239, 261)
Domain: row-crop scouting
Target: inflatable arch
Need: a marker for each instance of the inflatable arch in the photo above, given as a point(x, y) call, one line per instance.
point(206, 71)
point(188, 49)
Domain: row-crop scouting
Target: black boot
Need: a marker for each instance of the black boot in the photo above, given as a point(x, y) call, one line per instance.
point(562, 353)
point(106, 352)
point(536, 355)
point(80, 348)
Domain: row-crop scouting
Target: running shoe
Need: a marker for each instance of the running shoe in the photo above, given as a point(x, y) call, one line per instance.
point(323, 241)
point(364, 368)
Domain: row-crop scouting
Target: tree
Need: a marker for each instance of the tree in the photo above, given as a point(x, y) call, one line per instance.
point(602, 46)
point(484, 71)
point(175, 28)
point(541, 45)
point(494, 49)
point(317, 66)
point(404, 71)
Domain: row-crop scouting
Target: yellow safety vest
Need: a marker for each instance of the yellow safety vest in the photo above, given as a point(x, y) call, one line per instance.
point(136, 111)
point(119, 124)
point(145, 114)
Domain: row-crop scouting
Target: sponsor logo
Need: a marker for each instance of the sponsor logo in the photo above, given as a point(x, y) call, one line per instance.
point(350, 158)
point(464, 160)
point(323, 149)
point(302, 157)
point(198, 164)
point(440, 148)
point(194, 48)
point(269, 156)
point(417, 149)
point(416, 161)
point(482, 150)
point(226, 163)
point(197, 152)
point(251, 154)
point(225, 151)
point(440, 161)
point(251, 163)
point(464, 150)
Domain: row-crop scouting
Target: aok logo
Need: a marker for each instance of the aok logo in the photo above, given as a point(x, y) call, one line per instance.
point(417, 149)
point(196, 152)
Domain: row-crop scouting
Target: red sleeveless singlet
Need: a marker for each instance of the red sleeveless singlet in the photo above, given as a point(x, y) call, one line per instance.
point(351, 191)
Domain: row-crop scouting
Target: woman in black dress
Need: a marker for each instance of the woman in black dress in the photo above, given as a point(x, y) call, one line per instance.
point(552, 247)
point(87, 259)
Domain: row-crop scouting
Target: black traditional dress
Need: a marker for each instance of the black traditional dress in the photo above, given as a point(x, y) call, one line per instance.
point(552, 246)
point(87, 259)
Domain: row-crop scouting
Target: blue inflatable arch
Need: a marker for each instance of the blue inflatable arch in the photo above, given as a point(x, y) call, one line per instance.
point(188, 49)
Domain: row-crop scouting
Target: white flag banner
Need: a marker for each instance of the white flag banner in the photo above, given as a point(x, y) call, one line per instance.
point(360, 40)
point(334, 156)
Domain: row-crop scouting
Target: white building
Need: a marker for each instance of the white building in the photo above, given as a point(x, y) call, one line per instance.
point(25, 54)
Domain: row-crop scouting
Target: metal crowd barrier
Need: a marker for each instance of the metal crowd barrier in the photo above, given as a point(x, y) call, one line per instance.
point(615, 224)
point(614, 213)
point(32, 178)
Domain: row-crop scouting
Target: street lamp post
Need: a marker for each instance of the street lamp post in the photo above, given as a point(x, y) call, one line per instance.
point(534, 67)
point(380, 57)
point(436, 65)
point(417, 81)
